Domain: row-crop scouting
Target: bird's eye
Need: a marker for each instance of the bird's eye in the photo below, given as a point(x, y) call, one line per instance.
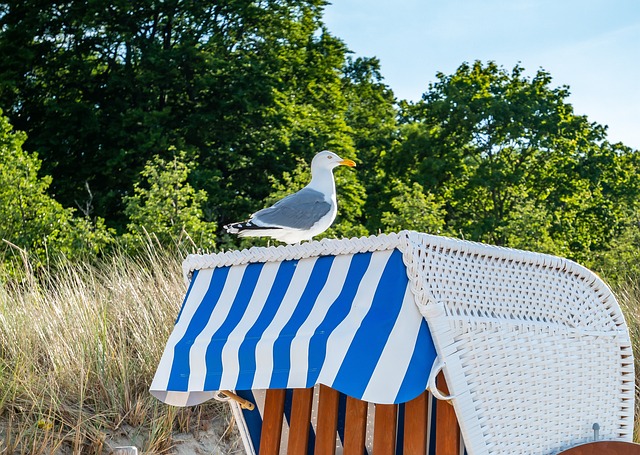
point(330, 157)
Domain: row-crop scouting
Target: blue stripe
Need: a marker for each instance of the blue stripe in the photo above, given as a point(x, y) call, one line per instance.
point(372, 335)
point(342, 416)
point(247, 350)
point(252, 418)
point(415, 379)
point(288, 404)
point(337, 312)
point(312, 440)
point(219, 338)
point(400, 430)
point(193, 280)
point(180, 370)
point(282, 345)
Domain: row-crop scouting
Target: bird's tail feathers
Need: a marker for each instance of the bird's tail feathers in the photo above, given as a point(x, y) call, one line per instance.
point(236, 228)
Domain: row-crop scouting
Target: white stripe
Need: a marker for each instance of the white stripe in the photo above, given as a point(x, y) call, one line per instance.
point(340, 339)
point(264, 347)
point(230, 350)
point(300, 343)
point(198, 353)
point(198, 291)
point(386, 380)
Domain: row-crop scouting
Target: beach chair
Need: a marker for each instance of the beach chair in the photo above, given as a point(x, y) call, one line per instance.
point(335, 344)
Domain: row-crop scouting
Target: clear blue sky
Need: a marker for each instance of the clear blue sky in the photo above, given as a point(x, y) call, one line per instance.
point(593, 46)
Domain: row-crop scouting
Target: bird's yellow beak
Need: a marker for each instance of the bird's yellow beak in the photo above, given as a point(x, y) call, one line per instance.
point(347, 162)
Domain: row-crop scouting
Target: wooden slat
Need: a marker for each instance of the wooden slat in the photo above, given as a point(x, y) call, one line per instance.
point(355, 431)
point(605, 448)
point(447, 429)
point(272, 422)
point(300, 421)
point(384, 429)
point(327, 424)
point(416, 425)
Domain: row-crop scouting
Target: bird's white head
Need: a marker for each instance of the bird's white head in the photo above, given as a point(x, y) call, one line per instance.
point(329, 160)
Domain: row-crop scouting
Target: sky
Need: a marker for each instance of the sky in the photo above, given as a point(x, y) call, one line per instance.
point(593, 46)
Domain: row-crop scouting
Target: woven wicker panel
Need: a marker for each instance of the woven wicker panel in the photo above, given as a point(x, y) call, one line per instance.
point(535, 347)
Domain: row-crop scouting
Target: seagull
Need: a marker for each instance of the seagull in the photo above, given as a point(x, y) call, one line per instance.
point(302, 215)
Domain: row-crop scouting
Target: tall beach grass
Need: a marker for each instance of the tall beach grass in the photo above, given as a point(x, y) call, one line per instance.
point(78, 350)
point(627, 292)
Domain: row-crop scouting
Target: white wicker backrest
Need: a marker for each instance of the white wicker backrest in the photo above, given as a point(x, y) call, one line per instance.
point(535, 347)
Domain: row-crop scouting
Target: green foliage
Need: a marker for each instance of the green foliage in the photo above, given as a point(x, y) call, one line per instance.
point(246, 86)
point(249, 91)
point(32, 221)
point(414, 209)
point(168, 207)
point(528, 227)
point(620, 263)
point(371, 116)
point(513, 162)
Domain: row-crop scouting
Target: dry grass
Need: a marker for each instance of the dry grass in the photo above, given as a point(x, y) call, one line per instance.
point(628, 295)
point(78, 350)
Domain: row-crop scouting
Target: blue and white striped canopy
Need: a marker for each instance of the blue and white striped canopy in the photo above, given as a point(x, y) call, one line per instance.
point(346, 321)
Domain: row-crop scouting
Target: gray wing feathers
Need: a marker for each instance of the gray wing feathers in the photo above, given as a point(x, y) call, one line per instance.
point(300, 210)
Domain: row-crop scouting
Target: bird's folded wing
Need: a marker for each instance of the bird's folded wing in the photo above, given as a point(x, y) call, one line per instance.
point(300, 210)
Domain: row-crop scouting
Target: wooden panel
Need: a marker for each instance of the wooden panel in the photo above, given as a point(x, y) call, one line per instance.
point(384, 429)
point(355, 431)
point(604, 448)
point(272, 422)
point(327, 424)
point(300, 421)
point(447, 429)
point(416, 425)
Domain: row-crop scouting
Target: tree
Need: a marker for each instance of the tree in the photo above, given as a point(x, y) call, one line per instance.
point(620, 263)
point(33, 221)
point(168, 207)
point(414, 209)
point(507, 151)
point(371, 116)
point(305, 114)
point(102, 87)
